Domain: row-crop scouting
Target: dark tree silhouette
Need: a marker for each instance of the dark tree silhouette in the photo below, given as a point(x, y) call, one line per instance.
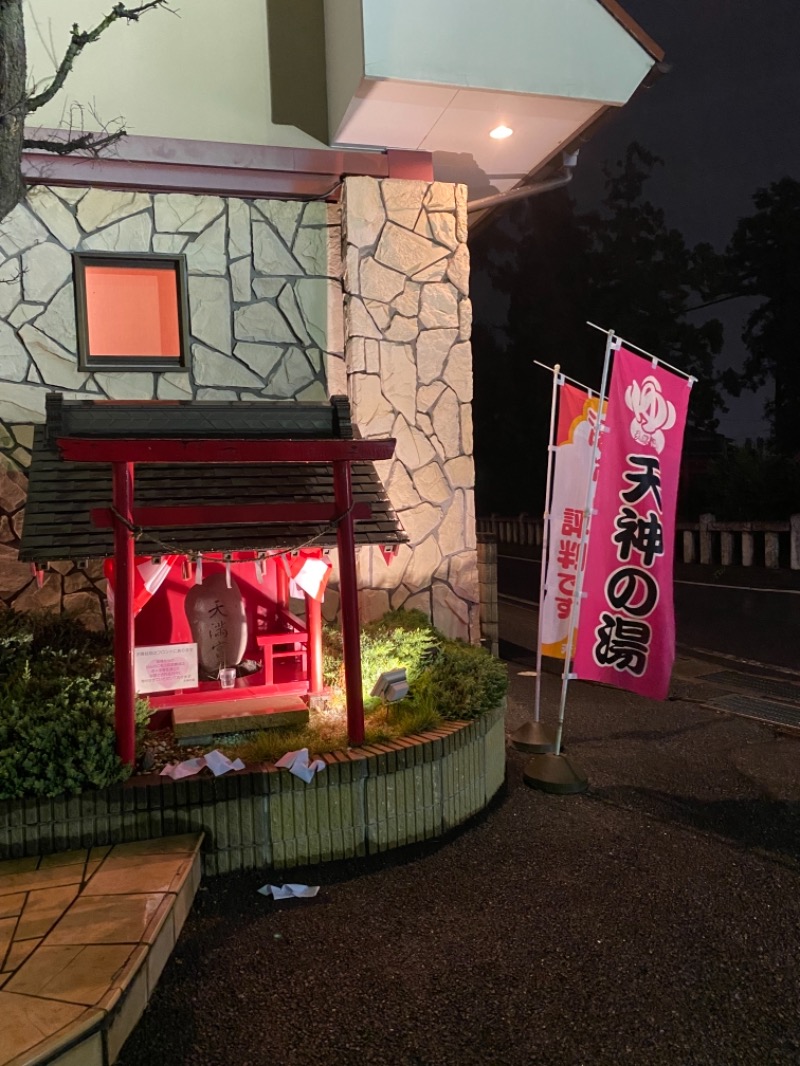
point(641, 280)
point(748, 482)
point(18, 100)
point(763, 263)
point(550, 271)
point(526, 271)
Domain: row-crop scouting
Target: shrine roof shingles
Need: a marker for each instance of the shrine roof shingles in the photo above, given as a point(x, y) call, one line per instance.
point(223, 419)
point(62, 494)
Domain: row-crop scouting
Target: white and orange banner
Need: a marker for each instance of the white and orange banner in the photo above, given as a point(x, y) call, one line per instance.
point(572, 461)
point(626, 626)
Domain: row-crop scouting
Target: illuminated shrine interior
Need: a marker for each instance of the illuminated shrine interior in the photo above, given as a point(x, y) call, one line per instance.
point(217, 520)
point(239, 615)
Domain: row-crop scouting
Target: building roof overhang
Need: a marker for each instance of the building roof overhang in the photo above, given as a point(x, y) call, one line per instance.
point(440, 78)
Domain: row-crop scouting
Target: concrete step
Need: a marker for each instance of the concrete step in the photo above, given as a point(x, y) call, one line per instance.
point(209, 719)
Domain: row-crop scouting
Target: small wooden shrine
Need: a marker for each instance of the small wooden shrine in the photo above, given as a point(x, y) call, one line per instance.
point(212, 517)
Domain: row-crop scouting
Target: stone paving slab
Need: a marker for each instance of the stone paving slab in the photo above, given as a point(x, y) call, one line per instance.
point(84, 936)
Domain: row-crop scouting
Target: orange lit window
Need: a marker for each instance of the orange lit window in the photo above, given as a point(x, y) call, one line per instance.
point(131, 311)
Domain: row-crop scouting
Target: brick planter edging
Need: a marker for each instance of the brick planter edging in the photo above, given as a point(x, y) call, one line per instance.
point(367, 800)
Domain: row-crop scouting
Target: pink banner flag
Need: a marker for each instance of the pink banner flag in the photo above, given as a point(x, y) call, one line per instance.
point(577, 418)
point(626, 633)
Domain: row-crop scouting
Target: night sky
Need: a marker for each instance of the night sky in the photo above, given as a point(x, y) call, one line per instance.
point(724, 119)
point(725, 122)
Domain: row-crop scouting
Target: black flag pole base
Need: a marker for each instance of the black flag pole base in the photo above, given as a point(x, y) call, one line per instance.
point(554, 773)
point(535, 738)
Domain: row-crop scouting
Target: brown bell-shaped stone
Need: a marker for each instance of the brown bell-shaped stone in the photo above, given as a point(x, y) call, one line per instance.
point(218, 622)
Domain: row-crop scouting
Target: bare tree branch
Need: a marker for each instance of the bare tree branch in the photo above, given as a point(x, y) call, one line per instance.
point(12, 106)
point(93, 143)
point(79, 39)
point(73, 136)
point(18, 99)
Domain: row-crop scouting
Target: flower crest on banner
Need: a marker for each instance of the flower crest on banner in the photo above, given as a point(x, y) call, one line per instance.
point(652, 412)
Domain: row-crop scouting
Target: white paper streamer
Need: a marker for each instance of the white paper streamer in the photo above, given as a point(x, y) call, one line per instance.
point(289, 891)
point(297, 763)
point(216, 762)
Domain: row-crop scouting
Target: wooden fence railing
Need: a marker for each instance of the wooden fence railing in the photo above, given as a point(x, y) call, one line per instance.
point(772, 544)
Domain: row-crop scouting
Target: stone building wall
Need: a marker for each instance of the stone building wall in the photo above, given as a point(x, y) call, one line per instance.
point(407, 370)
point(287, 301)
point(264, 294)
point(265, 312)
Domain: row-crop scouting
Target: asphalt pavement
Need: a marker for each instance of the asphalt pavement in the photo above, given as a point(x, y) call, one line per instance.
point(652, 921)
point(748, 613)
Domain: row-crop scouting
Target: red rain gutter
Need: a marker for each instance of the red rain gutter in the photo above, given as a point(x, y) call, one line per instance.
point(158, 164)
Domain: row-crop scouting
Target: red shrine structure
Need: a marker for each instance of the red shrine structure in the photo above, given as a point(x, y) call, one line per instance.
point(206, 513)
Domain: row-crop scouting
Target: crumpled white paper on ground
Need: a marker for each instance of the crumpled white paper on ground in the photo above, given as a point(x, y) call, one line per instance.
point(289, 891)
point(216, 762)
point(177, 770)
point(221, 764)
point(296, 762)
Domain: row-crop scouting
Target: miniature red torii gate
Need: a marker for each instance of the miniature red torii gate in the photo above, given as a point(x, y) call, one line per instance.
point(124, 454)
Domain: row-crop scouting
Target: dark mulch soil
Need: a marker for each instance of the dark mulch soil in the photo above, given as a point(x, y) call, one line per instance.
point(653, 921)
point(160, 747)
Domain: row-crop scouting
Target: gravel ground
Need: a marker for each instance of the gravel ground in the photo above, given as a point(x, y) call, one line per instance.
point(653, 920)
point(161, 747)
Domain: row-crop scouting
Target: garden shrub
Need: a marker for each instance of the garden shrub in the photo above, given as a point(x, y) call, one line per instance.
point(58, 644)
point(56, 707)
point(462, 682)
point(397, 639)
point(447, 678)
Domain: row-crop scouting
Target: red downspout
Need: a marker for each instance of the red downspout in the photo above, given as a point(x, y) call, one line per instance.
point(314, 623)
point(348, 592)
point(124, 697)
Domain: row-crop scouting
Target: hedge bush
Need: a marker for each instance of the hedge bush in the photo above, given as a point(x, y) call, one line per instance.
point(56, 707)
point(458, 681)
point(463, 682)
point(397, 639)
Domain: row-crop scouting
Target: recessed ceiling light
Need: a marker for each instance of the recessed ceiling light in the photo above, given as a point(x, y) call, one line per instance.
point(500, 133)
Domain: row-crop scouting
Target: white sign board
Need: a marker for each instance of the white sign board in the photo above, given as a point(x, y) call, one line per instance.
point(162, 667)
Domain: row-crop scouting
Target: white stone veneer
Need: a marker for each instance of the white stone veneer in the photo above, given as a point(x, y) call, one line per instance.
point(264, 295)
point(265, 310)
point(268, 321)
point(407, 370)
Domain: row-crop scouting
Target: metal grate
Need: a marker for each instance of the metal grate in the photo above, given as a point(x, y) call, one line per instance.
point(753, 707)
point(779, 690)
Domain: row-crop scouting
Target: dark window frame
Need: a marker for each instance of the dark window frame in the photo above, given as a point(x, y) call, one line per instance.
point(176, 263)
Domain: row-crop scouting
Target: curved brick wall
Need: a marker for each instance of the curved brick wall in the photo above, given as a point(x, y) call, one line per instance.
point(366, 800)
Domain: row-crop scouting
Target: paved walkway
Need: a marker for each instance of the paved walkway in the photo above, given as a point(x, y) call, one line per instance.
point(84, 936)
point(652, 921)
